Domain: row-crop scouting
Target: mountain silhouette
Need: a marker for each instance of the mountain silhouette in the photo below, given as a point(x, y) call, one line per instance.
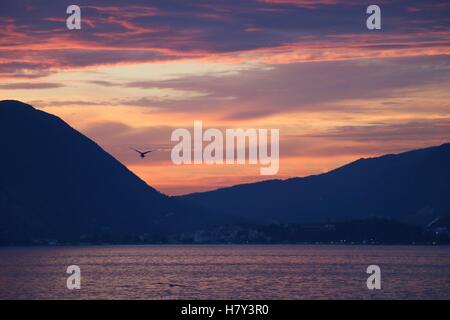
point(411, 187)
point(56, 183)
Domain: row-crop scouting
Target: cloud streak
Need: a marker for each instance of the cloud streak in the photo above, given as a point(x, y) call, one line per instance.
point(174, 30)
point(30, 86)
point(324, 86)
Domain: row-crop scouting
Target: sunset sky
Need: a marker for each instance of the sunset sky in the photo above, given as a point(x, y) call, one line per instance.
point(136, 71)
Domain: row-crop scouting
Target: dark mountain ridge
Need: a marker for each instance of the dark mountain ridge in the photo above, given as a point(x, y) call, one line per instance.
point(412, 187)
point(56, 183)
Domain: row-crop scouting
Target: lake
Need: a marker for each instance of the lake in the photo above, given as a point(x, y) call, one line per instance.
point(225, 272)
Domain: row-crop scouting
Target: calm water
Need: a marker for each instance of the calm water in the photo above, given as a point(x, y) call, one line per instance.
point(225, 272)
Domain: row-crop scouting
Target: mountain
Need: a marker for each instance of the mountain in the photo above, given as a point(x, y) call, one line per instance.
point(56, 183)
point(411, 187)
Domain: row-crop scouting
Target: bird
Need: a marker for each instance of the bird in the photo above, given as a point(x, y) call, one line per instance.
point(172, 285)
point(142, 154)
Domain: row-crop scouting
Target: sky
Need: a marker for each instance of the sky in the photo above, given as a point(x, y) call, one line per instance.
point(137, 70)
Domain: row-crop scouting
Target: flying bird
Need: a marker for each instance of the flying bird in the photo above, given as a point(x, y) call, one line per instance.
point(142, 154)
point(172, 285)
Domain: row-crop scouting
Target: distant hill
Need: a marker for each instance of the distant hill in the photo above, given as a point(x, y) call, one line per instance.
point(411, 187)
point(56, 183)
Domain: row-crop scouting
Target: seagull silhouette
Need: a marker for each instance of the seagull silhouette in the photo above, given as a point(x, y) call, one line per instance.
point(172, 285)
point(142, 154)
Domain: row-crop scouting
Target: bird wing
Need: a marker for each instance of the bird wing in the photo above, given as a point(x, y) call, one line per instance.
point(135, 150)
point(147, 152)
